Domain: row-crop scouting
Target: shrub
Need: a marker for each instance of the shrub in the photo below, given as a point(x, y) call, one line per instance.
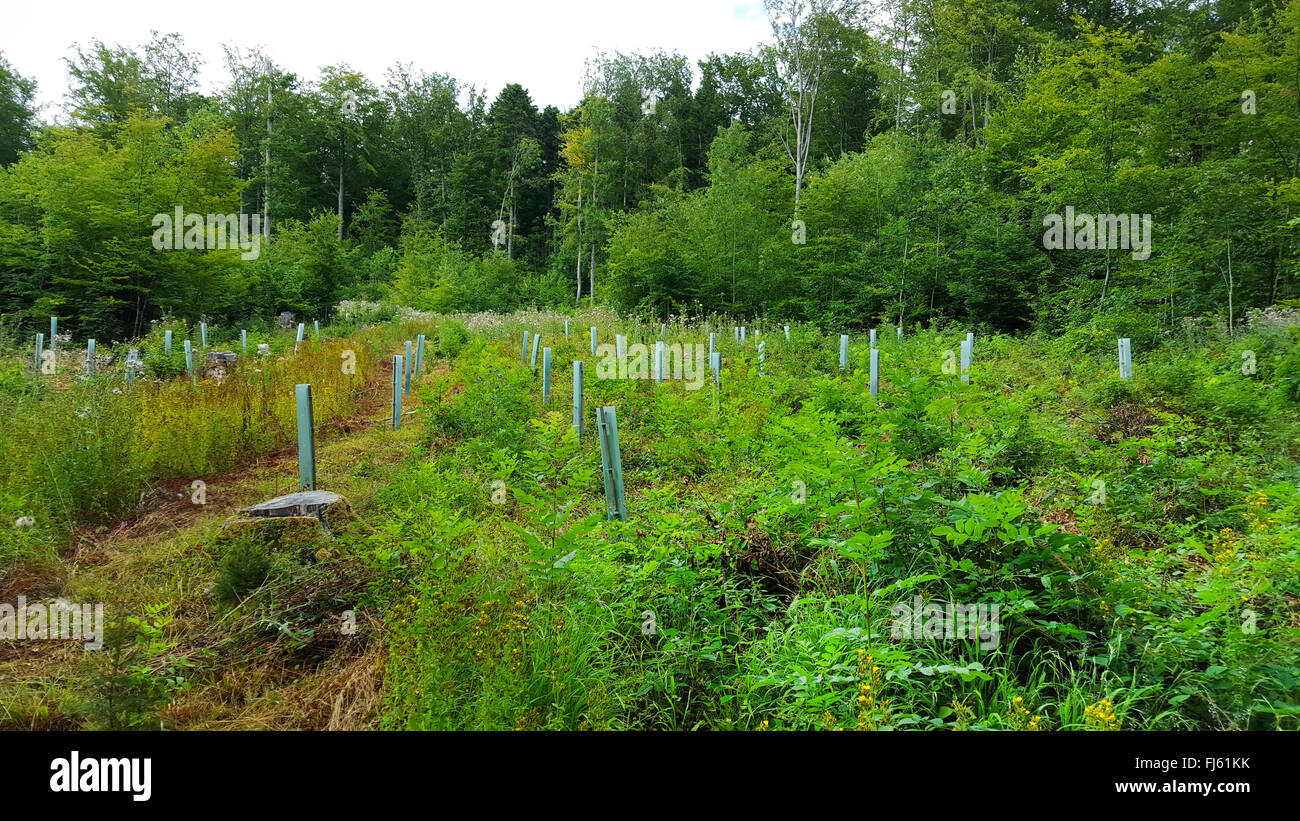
point(244, 568)
point(482, 398)
point(452, 336)
point(126, 686)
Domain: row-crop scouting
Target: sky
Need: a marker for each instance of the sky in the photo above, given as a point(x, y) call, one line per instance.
point(541, 45)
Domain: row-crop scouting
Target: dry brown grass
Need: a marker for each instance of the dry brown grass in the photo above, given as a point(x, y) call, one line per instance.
point(1127, 422)
point(167, 551)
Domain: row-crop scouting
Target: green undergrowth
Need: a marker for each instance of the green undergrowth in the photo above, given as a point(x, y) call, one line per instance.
point(1139, 541)
point(793, 551)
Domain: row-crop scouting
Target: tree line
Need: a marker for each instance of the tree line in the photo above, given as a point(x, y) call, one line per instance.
point(891, 164)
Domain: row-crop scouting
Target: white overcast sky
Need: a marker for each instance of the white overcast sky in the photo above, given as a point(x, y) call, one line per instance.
point(539, 44)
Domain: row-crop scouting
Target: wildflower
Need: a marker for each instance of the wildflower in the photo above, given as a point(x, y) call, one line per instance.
point(872, 712)
point(1101, 716)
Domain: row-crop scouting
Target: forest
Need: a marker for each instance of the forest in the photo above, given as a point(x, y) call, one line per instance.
point(929, 152)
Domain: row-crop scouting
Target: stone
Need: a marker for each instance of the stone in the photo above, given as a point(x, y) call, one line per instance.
point(286, 319)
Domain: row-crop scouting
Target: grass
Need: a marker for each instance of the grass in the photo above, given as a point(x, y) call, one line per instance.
point(1141, 541)
point(223, 659)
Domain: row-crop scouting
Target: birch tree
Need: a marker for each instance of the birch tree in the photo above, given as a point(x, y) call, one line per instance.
point(801, 44)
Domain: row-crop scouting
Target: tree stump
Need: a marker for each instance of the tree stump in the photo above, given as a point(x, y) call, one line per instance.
point(219, 363)
point(293, 521)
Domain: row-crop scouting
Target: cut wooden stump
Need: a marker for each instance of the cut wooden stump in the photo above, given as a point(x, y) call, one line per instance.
point(294, 520)
point(217, 363)
point(303, 503)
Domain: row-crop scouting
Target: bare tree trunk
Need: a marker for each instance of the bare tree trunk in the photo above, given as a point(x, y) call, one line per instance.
point(343, 153)
point(733, 265)
point(1231, 323)
point(970, 99)
point(1105, 283)
point(934, 282)
point(801, 52)
point(1277, 266)
point(902, 61)
point(902, 282)
point(591, 269)
point(579, 297)
point(266, 182)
